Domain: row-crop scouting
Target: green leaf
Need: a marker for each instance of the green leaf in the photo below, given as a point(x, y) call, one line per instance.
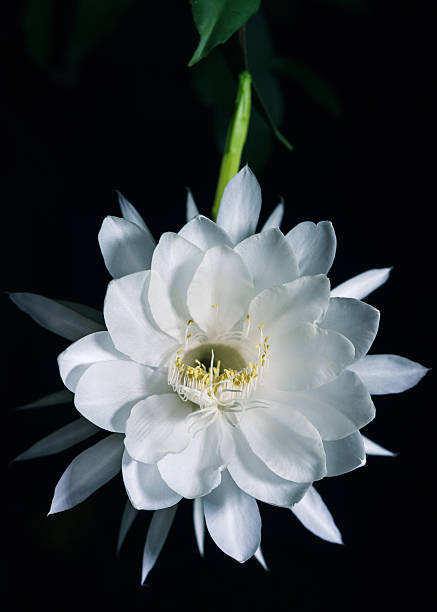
point(37, 23)
point(316, 87)
point(217, 20)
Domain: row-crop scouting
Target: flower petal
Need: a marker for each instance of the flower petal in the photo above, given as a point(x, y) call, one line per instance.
point(256, 479)
point(196, 470)
point(354, 319)
point(127, 518)
point(192, 210)
point(204, 233)
point(88, 472)
point(145, 486)
point(64, 396)
point(107, 391)
point(344, 455)
point(199, 524)
point(314, 246)
point(130, 213)
point(126, 247)
point(361, 285)
point(60, 440)
point(272, 431)
point(240, 206)
point(130, 324)
point(173, 265)
point(233, 520)
point(219, 294)
point(388, 373)
point(54, 316)
point(275, 218)
point(157, 534)
point(157, 426)
point(372, 448)
point(269, 258)
point(306, 358)
point(315, 516)
point(260, 558)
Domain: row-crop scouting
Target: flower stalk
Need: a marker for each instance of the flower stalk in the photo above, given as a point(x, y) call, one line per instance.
point(235, 138)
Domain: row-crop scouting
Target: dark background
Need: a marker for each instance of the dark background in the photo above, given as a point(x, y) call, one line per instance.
point(125, 114)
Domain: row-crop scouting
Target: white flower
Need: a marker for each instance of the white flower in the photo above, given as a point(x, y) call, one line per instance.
point(229, 372)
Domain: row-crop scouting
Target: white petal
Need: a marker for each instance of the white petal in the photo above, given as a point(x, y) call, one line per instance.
point(372, 448)
point(78, 357)
point(275, 219)
point(219, 294)
point(130, 324)
point(256, 479)
point(86, 311)
point(260, 558)
point(240, 206)
point(196, 470)
point(53, 399)
point(315, 516)
point(60, 440)
point(54, 316)
point(88, 472)
point(107, 391)
point(272, 431)
point(314, 246)
point(204, 233)
point(192, 210)
point(361, 285)
point(157, 426)
point(337, 409)
point(269, 259)
point(145, 486)
point(354, 319)
point(388, 373)
point(306, 358)
point(126, 247)
point(173, 265)
point(199, 524)
point(344, 455)
point(156, 536)
point(127, 518)
point(130, 213)
point(233, 520)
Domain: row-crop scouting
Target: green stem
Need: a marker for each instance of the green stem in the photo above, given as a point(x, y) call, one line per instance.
point(235, 138)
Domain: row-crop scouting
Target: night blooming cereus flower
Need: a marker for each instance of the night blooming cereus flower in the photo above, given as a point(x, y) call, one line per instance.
point(228, 372)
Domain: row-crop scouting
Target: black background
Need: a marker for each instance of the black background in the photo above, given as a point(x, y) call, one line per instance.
point(129, 119)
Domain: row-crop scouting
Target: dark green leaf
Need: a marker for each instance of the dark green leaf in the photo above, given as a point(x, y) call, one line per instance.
point(217, 20)
point(37, 22)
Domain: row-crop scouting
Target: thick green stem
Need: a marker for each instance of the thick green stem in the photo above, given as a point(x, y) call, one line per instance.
point(235, 138)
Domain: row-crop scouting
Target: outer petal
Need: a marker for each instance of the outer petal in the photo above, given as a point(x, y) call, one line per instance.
point(130, 324)
point(64, 396)
point(126, 247)
point(315, 516)
point(257, 480)
point(344, 455)
point(220, 291)
point(107, 391)
point(60, 440)
point(361, 285)
point(233, 520)
point(173, 265)
point(88, 472)
point(54, 316)
point(145, 486)
point(240, 206)
point(192, 210)
point(129, 515)
point(271, 433)
point(130, 213)
point(78, 357)
point(372, 448)
point(157, 426)
point(388, 373)
point(307, 357)
point(314, 246)
point(275, 219)
point(269, 258)
point(156, 536)
point(199, 524)
point(204, 233)
point(354, 319)
point(196, 470)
